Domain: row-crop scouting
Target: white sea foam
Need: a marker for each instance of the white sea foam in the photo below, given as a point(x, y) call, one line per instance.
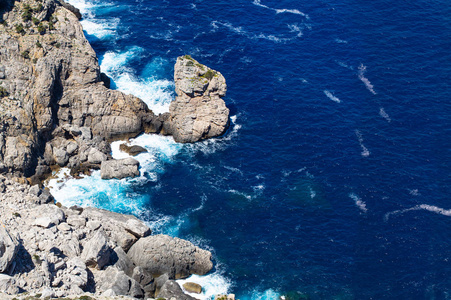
point(212, 285)
point(365, 151)
point(427, 207)
point(277, 39)
point(384, 115)
point(414, 192)
point(344, 65)
point(358, 201)
point(91, 190)
point(101, 29)
point(361, 74)
point(331, 96)
point(210, 146)
point(157, 94)
point(312, 192)
point(281, 10)
point(269, 294)
point(296, 28)
point(340, 41)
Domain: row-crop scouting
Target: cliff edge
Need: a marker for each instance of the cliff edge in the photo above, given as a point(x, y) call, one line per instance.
point(56, 110)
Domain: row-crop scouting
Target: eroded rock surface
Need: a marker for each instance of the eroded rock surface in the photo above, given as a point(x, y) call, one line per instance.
point(198, 112)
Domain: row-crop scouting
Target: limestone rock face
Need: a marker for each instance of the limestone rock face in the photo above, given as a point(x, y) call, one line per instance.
point(8, 249)
point(121, 168)
point(52, 89)
point(96, 251)
point(198, 111)
point(162, 254)
point(171, 290)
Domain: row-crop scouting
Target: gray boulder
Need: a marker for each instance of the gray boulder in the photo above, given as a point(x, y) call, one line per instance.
point(8, 249)
point(121, 168)
point(96, 251)
point(162, 254)
point(171, 290)
point(8, 285)
point(119, 283)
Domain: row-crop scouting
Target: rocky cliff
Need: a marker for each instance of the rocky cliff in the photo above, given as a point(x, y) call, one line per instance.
point(198, 111)
point(56, 110)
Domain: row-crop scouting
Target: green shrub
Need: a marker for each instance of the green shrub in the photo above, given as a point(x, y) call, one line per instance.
point(51, 26)
point(38, 44)
point(25, 54)
point(27, 13)
point(35, 21)
point(4, 23)
point(41, 28)
point(19, 29)
point(187, 57)
point(3, 92)
point(38, 8)
point(58, 45)
point(209, 74)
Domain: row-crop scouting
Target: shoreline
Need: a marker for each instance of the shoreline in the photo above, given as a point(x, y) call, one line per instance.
point(61, 251)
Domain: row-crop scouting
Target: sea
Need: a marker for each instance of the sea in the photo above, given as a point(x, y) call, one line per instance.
point(334, 178)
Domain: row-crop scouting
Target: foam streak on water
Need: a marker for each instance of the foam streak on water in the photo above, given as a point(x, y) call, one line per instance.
point(365, 151)
point(331, 96)
point(361, 74)
point(427, 207)
point(282, 10)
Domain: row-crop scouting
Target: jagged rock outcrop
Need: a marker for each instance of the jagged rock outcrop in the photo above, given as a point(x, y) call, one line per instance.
point(198, 112)
point(52, 92)
point(121, 168)
point(171, 290)
point(76, 250)
point(8, 249)
point(56, 110)
point(162, 254)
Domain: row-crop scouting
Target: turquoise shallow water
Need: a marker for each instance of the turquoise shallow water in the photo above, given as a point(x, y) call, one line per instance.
point(333, 181)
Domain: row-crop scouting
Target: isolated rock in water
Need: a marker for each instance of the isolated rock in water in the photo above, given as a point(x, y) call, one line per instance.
point(120, 168)
point(171, 290)
point(8, 249)
point(192, 287)
point(198, 112)
point(162, 254)
point(132, 150)
point(96, 251)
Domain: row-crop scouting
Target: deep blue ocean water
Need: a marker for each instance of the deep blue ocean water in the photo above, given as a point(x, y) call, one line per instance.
point(333, 181)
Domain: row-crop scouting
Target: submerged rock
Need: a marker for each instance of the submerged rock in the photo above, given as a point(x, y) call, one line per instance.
point(198, 112)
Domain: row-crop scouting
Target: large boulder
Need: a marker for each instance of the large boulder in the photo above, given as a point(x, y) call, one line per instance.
point(162, 254)
point(8, 249)
point(171, 290)
point(120, 168)
point(96, 252)
point(198, 112)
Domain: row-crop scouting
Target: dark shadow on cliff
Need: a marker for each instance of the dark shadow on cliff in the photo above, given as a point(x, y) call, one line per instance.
point(5, 5)
point(22, 263)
